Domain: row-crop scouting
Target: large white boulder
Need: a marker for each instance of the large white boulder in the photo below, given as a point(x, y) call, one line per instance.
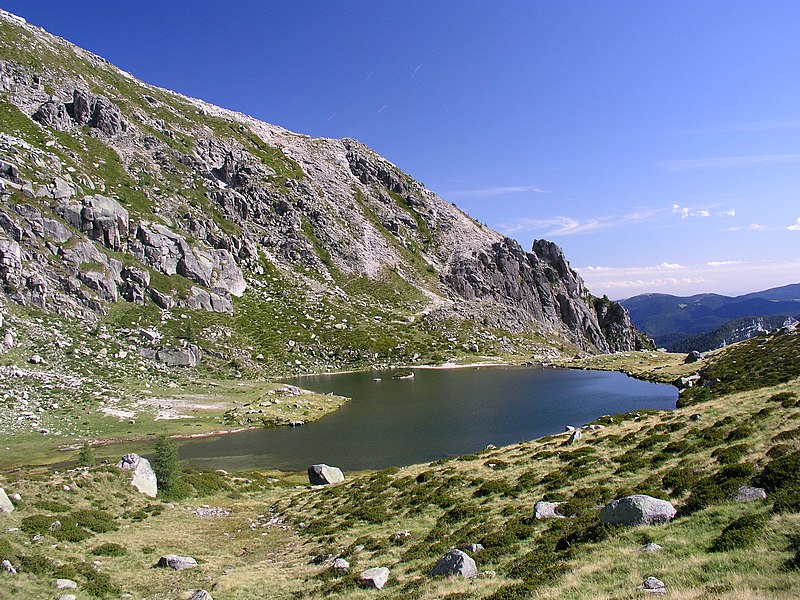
point(144, 478)
point(5, 503)
point(638, 509)
point(323, 474)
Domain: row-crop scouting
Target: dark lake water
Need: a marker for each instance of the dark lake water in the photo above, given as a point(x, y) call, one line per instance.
point(438, 413)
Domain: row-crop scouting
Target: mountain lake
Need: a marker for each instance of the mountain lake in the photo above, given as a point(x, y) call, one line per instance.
point(438, 413)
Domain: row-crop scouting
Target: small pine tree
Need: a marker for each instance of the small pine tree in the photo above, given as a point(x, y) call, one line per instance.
point(86, 455)
point(167, 466)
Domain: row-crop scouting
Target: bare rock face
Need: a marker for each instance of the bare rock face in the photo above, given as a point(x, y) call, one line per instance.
point(144, 478)
point(242, 195)
point(322, 474)
point(638, 509)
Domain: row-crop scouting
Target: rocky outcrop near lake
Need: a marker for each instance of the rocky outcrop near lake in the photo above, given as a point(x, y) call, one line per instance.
point(117, 191)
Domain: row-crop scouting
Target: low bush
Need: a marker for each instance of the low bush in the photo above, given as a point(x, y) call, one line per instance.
point(780, 472)
point(718, 487)
point(786, 499)
point(730, 454)
point(494, 487)
point(109, 549)
point(741, 533)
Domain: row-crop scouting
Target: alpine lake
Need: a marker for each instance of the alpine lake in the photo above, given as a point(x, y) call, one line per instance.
point(439, 413)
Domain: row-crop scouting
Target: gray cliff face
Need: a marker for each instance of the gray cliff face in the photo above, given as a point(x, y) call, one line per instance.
point(116, 191)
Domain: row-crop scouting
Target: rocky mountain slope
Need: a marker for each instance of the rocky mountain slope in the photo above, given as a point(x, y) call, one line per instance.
point(670, 320)
point(309, 253)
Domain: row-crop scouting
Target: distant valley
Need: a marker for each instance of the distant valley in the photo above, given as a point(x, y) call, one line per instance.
point(709, 321)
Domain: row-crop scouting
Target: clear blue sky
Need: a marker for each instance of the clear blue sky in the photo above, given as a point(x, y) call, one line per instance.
point(657, 142)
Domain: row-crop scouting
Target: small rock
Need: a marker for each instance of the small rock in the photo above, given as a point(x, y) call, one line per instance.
point(9, 568)
point(695, 417)
point(651, 547)
point(66, 597)
point(340, 564)
point(487, 575)
point(574, 437)
point(455, 562)
point(179, 563)
point(15, 497)
point(36, 359)
point(546, 510)
point(472, 548)
point(66, 584)
point(201, 595)
point(651, 585)
point(321, 558)
point(569, 428)
point(375, 578)
point(746, 493)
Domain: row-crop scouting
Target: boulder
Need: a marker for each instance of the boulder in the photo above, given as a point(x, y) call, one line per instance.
point(144, 478)
point(375, 578)
point(5, 503)
point(692, 357)
point(574, 437)
point(67, 597)
point(8, 567)
point(201, 595)
point(746, 493)
point(322, 474)
point(546, 510)
point(173, 561)
point(340, 564)
point(66, 584)
point(638, 509)
point(651, 585)
point(651, 547)
point(456, 563)
point(180, 357)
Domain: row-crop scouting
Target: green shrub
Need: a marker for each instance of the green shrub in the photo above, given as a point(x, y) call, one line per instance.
point(786, 399)
point(425, 476)
point(730, 454)
point(742, 432)
point(786, 499)
point(37, 524)
point(109, 549)
point(492, 487)
point(718, 487)
point(780, 472)
point(52, 506)
point(94, 520)
point(741, 533)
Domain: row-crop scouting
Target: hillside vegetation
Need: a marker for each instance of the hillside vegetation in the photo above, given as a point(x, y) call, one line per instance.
point(280, 538)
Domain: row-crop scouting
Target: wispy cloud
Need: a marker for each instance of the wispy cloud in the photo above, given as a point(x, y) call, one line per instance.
point(489, 192)
point(721, 276)
point(686, 212)
point(561, 225)
point(753, 126)
point(796, 226)
point(727, 162)
point(381, 109)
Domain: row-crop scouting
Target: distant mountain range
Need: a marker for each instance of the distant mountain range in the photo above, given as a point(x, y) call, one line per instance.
point(707, 321)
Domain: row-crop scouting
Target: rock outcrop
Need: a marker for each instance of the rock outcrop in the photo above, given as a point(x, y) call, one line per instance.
point(144, 478)
point(5, 503)
point(375, 578)
point(173, 202)
point(178, 563)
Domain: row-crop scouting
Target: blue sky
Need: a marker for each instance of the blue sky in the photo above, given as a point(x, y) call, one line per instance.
point(657, 142)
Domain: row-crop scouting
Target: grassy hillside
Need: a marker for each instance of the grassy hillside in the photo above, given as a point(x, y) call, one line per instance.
point(280, 537)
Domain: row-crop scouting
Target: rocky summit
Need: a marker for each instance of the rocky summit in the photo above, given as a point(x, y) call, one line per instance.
point(118, 192)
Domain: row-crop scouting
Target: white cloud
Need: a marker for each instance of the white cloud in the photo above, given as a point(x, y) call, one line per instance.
point(496, 191)
point(685, 212)
point(727, 162)
point(723, 276)
point(757, 227)
point(796, 226)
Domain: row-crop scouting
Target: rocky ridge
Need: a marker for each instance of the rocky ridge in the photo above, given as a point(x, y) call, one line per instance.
point(117, 191)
